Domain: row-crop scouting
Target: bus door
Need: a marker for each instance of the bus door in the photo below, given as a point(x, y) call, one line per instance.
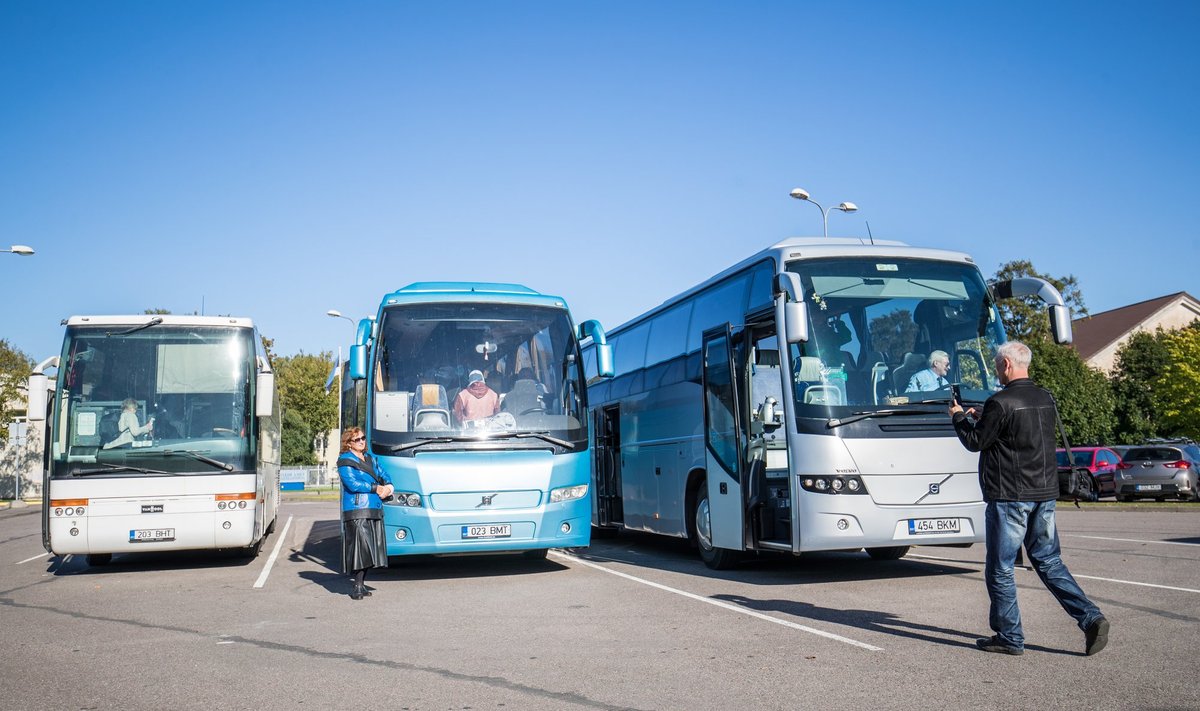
point(723, 507)
point(609, 508)
point(768, 493)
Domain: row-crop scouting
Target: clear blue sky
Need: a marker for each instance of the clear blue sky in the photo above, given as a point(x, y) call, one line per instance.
point(279, 159)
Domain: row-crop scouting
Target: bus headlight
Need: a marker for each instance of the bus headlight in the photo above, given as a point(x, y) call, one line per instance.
point(567, 493)
point(404, 498)
point(833, 484)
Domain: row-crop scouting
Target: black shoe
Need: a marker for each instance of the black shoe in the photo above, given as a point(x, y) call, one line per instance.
point(1095, 636)
point(357, 593)
point(993, 644)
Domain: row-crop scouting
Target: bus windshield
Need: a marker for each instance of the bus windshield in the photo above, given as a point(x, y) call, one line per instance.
point(160, 399)
point(477, 375)
point(889, 333)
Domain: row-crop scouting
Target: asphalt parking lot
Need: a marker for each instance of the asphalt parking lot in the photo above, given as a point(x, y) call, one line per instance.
point(631, 622)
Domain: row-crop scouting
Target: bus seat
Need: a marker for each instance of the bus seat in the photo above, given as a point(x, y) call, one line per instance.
point(431, 409)
point(913, 363)
point(525, 396)
point(107, 427)
point(823, 395)
point(810, 370)
point(878, 380)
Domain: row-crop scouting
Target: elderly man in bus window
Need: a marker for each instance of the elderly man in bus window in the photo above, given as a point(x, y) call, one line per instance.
point(933, 377)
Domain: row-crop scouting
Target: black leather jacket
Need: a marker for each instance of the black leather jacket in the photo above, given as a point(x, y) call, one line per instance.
point(1015, 438)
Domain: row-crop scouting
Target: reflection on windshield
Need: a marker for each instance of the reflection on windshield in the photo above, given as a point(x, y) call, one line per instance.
point(169, 398)
point(888, 332)
point(480, 371)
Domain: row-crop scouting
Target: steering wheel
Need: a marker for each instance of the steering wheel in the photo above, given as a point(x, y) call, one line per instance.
point(532, 410)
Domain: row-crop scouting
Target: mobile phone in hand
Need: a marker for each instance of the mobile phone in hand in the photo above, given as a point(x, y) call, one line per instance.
point(955, 395)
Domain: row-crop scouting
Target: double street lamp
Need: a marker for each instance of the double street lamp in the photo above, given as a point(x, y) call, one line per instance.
point(802, 194)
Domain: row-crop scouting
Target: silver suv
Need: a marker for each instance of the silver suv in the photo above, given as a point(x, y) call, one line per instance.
point(1159, 471)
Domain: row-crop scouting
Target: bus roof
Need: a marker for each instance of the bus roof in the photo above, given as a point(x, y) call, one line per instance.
point(167, 319)
point(473, 291)
point(794, 248)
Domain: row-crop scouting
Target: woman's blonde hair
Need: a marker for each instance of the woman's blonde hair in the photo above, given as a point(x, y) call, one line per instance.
point(349, 434)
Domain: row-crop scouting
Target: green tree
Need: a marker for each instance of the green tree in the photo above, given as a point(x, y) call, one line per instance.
point(1140, 361)
point(308, 409)
point(296, 440)
point(1085, 398)
point(1026, 318)
point(158, 312)
point(1177, 387)
point(15, 367)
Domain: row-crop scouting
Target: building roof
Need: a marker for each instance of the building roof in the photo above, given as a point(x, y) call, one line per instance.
point(1093, 333)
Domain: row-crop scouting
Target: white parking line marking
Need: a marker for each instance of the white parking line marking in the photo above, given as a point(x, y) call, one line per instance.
point(1129, 540)
point(262, 577)
point(719, 603)
point(40, 555)
point(1077, 575)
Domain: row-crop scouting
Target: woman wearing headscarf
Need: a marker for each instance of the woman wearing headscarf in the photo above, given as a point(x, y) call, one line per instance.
point(364, 489)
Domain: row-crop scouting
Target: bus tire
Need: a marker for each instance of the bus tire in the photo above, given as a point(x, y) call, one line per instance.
point(535, 554)
point(714, 557)
point(888, 552)
point(99, 559)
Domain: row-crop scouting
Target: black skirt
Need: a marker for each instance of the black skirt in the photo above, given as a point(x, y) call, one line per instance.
point(363, 545)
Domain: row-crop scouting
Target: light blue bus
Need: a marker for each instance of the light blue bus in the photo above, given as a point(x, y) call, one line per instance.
point(781, 405)
point(473, 400)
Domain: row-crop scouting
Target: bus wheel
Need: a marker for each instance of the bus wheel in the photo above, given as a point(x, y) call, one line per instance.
point(535, 554)
point(713, 557)
point(888, 553)
point(98, 559)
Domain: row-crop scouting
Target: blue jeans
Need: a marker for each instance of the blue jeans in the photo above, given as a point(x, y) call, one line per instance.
point(1007, 525)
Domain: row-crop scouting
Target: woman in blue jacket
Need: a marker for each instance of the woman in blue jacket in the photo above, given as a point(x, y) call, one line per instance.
point(364, 488)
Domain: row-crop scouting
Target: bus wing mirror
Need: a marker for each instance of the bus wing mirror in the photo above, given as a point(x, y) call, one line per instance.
point(795, 311)
point(1060, 323)
point(38, 387)
point(1060, 313)
point(358, 362)
point(264, 405)
point(795, 321)
point(592, 329)
point(604, 361)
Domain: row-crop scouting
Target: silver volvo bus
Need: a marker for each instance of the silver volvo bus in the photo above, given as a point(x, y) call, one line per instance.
point(789, 404)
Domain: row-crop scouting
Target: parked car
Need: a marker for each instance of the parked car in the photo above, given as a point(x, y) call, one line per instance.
point(1100, 461)
point(1160, 471)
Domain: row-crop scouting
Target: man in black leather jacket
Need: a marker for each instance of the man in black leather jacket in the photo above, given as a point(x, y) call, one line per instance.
point(1015, 438)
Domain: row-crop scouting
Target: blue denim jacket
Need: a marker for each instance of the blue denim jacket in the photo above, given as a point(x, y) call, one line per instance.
point(358, 488)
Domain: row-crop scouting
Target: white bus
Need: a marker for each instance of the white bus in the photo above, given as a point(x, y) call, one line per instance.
point(769, 409)
point(162, 433)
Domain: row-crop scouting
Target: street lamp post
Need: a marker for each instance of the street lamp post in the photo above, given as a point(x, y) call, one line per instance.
point(334, 313)
point(802, 194)
point(21, 249)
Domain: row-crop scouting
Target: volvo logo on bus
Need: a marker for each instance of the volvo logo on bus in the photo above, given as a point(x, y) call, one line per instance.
point(486, 501)
point(935, 488)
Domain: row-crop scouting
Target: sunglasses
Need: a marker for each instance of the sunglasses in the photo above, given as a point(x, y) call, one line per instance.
point(358, 439)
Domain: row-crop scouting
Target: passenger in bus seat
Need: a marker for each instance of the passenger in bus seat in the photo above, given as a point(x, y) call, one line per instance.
point(933, 377)
point(476, 401)
point(128, 428)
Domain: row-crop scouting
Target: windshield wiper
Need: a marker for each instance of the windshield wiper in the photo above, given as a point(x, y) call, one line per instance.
point(152, 322)
point(194, 455)
point(839, 421)
point(110, 468)
point(544, 436)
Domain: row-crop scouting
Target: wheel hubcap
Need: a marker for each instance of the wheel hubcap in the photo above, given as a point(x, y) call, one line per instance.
point(703, 525)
